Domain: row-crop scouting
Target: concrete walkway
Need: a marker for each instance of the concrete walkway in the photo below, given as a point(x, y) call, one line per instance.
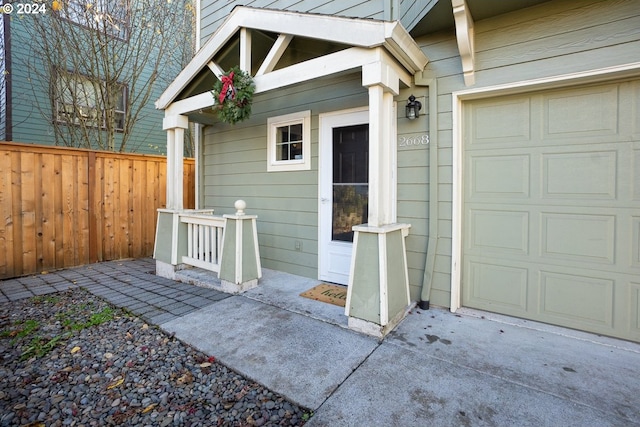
point(437, 368)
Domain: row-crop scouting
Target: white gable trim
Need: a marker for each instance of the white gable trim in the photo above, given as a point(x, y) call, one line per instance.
point(363, 33)
point(344, 60)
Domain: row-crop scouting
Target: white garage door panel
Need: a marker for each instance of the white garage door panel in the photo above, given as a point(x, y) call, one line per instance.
point(552, 207)
point(580, 175)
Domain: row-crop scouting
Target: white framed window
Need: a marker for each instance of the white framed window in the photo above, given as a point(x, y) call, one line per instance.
point(80, 101)
point(108, 16)
point(289, 142)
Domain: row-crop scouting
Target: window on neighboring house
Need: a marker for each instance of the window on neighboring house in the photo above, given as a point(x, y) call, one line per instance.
point(108, 16)
point(289, 142)
point(79, 101)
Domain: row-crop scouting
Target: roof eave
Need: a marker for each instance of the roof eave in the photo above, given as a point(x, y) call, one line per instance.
point(365, 33)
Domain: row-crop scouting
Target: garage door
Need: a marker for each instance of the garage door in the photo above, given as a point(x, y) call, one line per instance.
point(551, 209)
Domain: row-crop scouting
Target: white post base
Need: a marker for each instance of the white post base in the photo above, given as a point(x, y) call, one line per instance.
point(167, 270)
point(233, 288)
point(375, 330)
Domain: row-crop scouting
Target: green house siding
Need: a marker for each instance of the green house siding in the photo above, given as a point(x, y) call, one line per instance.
point(551, 39)
point(287, 202)
point(213, 13)
point(235, 159)
point(554, 38)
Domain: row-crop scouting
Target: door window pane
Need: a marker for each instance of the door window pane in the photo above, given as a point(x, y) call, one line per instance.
point(350, 180)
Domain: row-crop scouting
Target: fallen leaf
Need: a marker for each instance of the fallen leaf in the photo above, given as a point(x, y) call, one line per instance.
point(115, 384)
point(145, 326)
point(129, 336)
point(185, 379)
point(205, 365)
point(211, 359)
point(75, 350)
point(149, 408)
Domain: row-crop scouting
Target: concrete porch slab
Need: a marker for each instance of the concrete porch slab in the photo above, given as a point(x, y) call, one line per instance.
point(300, 357)
point(276, 288)
point(440, 368)
point(395, 387)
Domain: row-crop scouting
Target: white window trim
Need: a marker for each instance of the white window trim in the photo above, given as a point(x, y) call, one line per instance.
point(273, 165)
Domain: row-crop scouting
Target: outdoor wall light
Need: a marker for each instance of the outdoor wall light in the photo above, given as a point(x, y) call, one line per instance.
point(413, 108)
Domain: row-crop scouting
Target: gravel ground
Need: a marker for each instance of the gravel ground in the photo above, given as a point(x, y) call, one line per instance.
point(71, 359)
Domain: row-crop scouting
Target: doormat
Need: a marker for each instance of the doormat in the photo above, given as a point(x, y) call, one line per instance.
point(333, 294)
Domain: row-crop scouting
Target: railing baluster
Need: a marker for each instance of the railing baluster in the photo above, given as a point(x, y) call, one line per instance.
point(189, 240)
point(204, 240)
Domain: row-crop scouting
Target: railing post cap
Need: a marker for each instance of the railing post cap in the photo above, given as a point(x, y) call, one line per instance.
point(240, 206)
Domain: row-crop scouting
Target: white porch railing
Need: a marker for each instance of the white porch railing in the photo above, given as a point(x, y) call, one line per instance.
point(204, 240)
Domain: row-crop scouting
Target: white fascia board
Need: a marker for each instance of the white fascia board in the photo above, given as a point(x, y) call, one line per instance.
point(200, 59)
point(187, 105)
point(314, 68)
point(402, 46)
point(365, 33)
point(319, 67)
point(333, 63)
point(352, 31)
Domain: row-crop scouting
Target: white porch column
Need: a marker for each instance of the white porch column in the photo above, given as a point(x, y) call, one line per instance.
point(167, 245)
point(383, 83)
point(378, 293)
point(175, 126)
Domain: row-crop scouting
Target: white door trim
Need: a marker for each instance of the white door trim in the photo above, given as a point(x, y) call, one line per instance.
point(458, 97)
point(327, 121)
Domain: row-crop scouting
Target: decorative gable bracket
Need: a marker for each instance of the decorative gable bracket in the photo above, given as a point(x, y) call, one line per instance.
point(465, 38)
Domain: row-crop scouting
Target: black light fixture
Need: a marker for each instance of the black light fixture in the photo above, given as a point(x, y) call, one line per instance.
point(413, 108)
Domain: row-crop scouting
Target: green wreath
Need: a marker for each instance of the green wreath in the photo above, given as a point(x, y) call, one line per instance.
point(233, 94)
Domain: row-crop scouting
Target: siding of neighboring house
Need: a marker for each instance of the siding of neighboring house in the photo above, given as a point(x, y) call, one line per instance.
point(31, 109)
point(213, 13)
point(554, 38)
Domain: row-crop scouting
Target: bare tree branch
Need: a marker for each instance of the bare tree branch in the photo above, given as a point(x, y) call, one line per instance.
point(101, 62)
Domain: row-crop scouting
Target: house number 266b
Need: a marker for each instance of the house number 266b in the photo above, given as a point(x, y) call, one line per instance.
point(408, 141)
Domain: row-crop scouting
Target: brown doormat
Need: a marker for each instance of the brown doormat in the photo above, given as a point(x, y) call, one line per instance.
point(333, 294)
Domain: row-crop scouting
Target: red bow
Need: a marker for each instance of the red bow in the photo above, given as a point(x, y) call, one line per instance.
point(227, 86)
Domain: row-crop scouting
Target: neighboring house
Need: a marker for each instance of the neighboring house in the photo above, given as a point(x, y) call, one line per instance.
point(81, 74)
point(520, 178)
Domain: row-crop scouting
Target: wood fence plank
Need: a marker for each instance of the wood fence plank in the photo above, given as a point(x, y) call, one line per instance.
point(28, 211)
point(6, 215)
point(37, 183)
point(58, 213)
point(16, 213)
point(48, 211)
point(69, 180)
point(123, 203)
point(97, 215)
point(92, 198)
point(82, 206)
point(151, 197)
point(108, 209)
point(139, 186)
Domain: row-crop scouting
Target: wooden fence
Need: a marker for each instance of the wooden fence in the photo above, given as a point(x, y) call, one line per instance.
point(63, 207)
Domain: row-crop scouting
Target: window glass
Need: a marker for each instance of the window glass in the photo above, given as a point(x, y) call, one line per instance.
point(79, 101)
point(108, 16)
point(289, 142)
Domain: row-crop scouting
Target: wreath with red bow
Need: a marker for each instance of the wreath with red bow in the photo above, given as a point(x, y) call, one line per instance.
point(233, 94)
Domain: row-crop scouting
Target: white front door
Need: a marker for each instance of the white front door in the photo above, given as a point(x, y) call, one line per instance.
point(344, 189)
